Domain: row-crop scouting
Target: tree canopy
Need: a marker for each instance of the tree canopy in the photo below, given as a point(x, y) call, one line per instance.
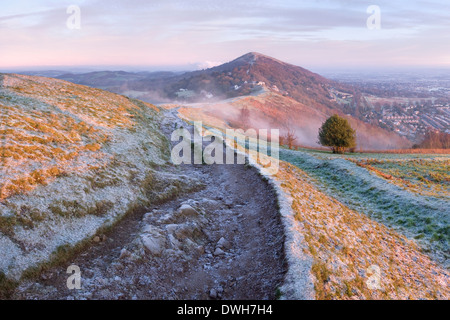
point(337, 134)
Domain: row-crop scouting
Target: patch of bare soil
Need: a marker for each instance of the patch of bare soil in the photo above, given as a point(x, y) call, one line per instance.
point(222, 242)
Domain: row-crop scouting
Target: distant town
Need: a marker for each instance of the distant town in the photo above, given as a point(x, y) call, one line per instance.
point(409, 104)
point(414, 119)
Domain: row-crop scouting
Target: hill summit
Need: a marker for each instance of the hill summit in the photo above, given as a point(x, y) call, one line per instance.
point(243, 76)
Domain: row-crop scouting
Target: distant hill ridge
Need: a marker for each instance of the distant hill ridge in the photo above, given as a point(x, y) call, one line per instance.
point(298, 89)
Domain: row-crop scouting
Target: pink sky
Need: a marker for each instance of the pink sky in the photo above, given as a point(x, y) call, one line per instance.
point(204, 33)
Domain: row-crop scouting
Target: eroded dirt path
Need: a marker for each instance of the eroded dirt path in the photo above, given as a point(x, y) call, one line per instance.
point(187, 259)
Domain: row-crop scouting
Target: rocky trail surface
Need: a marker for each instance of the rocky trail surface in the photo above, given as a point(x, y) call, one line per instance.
point(224, 241)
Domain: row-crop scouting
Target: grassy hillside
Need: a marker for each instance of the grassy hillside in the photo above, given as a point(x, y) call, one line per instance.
point(272, 110)
point(73, 160)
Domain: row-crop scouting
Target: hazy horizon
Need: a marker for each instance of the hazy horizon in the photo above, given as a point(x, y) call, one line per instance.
point(323, 70)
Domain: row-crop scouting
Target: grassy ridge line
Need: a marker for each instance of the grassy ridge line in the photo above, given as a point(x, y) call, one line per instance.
point(393, 151)
point(428, 177)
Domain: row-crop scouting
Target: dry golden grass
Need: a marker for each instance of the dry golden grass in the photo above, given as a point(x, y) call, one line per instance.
point(196, 114)
point(30, 139)
point(91, 105)
point(410, 151)
point(428, 177)
point(58, 128)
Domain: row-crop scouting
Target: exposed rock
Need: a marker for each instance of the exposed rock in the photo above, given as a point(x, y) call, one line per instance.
point(149, 228)
point(200, 250)
point(189, 245)
point(187, 211)
point(153, 244)
point(174, 242)
point(213, 294)
point(167, 218)
point(223, 243)
point(188, 230)
point(171, 228)
point(96, 239)
point(153, 239)
point(219, 252)
point(124, 253)
point(209, 204)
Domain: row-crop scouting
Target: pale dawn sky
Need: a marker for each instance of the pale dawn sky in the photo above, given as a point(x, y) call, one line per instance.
point(202, 33)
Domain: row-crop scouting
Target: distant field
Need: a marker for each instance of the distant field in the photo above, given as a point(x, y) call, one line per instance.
point(425, 176)
point(399, 151)
point(392, 100)
point(411, 151)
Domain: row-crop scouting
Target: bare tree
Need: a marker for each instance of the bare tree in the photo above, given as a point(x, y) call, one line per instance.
point(289, 137)
point(245, 117)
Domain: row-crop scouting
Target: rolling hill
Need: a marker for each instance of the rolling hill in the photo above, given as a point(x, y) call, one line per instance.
point(241, 77)
point(269, 109)
point(288, 92)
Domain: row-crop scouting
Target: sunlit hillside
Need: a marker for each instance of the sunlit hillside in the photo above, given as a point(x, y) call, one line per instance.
point(267, 109)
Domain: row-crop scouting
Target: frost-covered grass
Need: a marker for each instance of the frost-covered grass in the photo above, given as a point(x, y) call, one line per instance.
point(425, 176)
point(423, 217)
point(346, 245)
point(45, 130)
point(73, 160)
